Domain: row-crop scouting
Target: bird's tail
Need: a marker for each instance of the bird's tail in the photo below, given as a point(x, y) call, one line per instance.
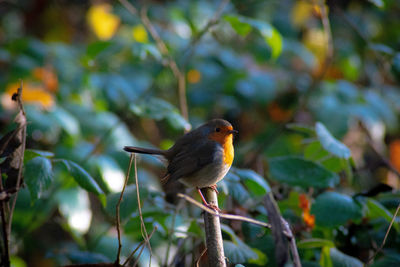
point(143, 150)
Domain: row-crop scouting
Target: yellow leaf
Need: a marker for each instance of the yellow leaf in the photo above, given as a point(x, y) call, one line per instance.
point(103, 23)
point(315, 40)
point(193, 76)
point(301, 11)
point(139, 34)
point(32, 93)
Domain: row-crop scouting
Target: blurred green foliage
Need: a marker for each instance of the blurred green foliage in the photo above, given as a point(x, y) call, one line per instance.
point(316, 130)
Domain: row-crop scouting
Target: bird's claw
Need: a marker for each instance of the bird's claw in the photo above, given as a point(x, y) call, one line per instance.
point(214, 187)
point(213, 207)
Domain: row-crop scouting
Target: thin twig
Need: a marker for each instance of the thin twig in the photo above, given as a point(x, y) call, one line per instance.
point(199, 258)
point(327, 33)
point(292, 244)
point(4, 226)
point(224, 215)
point(386, 235)
point(139, 246)
point(170, 235)
point(195, 40)
point(22, 121)
point(117, 210)
point(179, 75)
point(142, 225)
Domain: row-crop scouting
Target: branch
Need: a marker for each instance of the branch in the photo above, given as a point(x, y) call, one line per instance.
point(179, 75)
point(21, 120)
point(224, 215)
point(212, 228)
point(139, 246)
point(280, 229)
point(292, 244)
point(117, 210)
point(281, 242)
point(6, 255)
point(386, 235)
point(142, 225)
point(195, 40)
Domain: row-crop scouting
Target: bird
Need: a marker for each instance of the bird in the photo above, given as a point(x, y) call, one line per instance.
point(200, 158)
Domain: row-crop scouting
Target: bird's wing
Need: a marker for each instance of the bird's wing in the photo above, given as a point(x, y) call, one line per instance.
point(192, 158)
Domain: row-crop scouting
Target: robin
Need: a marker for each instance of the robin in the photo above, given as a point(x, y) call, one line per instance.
point(200, 158)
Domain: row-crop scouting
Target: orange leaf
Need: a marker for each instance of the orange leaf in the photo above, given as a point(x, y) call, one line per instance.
point(32, 93)
point(309, 219)
point(394, 150)
point(304, 203)
point(47, 76)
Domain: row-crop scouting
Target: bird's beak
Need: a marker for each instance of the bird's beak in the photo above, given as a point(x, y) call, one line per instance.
point(233, 132)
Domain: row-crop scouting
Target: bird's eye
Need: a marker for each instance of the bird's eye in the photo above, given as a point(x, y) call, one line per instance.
point(217, 129)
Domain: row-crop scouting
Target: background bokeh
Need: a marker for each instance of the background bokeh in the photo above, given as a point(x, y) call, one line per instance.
point(311, 86)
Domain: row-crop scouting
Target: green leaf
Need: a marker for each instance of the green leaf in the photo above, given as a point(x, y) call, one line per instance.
point(262, 259)
point(297, 171)
point(332, 209)
point(159, 109)
point(388, 260)
point(129, 203)
point(66, 120)
point(377, 210)
point(240, 27)
point(239, 252)
point(339, 259)
point(330, 143)
point(237, 191)
point(301, 128)
point(74, 203)
point(271, 36)
point(254, 182)
point(38, 176)
point(96, 48)
point(378, 3)
point(82, 177)
point(314, 151)
point(33, 153)
point(325, 260)
point(314, 243)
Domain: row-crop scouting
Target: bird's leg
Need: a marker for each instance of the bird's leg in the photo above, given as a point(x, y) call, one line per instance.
point(211, 206)
point(214, 187)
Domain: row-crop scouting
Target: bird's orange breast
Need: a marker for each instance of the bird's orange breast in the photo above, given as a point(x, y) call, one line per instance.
point(226, 140)
point(228, 150)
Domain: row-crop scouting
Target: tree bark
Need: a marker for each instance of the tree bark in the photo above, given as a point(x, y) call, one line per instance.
point(214, 243)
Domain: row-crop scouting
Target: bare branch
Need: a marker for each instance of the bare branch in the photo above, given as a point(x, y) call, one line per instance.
point(212, 229)
point(117, 210)
point(223, 215)
point(6, 255)
point(292, 243)
point(21, 120)
point(142, 225)
point(386, 235)
point(139, 246)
